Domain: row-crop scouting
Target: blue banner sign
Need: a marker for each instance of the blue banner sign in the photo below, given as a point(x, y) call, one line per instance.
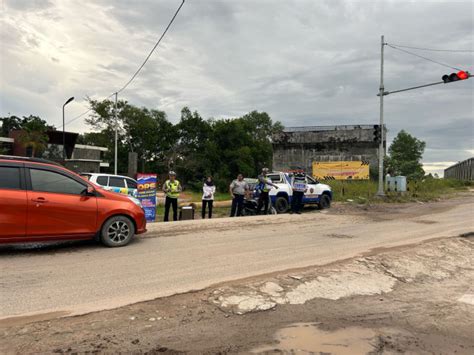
point(147, 194)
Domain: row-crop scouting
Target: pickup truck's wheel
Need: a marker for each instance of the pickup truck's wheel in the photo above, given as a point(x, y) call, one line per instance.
point(117, 231)
point(324, 202)
point(281, 204)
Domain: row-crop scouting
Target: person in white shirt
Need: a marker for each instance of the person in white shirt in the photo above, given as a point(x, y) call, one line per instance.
point(208, 191)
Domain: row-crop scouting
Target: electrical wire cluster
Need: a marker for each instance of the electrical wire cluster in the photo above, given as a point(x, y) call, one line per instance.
point(400, 48)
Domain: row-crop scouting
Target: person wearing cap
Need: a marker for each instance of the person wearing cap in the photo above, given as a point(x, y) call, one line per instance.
point(265, 185)
point(237, 190)
point(171, 188)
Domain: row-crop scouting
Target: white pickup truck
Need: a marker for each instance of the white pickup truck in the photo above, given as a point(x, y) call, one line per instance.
point(316, 194)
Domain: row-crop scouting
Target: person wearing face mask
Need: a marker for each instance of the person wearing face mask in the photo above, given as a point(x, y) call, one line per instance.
point(208, 191)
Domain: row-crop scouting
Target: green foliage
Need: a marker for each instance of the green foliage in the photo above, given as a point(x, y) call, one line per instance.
point(30, 123)
point(33, 133)
point(145, 132)
point(364, 191)
point(222, 148)
point(195, 148)
point(406, 153)
point(9, 123)
point(36, 140)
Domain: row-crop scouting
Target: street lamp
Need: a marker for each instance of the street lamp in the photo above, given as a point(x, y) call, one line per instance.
point(64, 132)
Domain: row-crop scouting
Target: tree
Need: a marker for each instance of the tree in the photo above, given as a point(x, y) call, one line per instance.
point(146, 132)
point(10, 123)
point(189, 155)
point(36, 140)
point(33, 134)
point(405, 154)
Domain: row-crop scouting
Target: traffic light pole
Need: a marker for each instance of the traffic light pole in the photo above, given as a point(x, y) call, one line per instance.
point(380, 191)
point(385, 93)
point(116, 135)
point(461, 75)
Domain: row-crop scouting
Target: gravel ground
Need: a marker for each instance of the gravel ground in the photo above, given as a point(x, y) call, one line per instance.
point(414, 298)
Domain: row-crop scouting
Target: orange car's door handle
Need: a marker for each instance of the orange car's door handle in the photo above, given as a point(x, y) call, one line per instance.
point(39, 199)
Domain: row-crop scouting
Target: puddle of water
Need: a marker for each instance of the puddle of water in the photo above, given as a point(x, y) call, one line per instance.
point(306, 338)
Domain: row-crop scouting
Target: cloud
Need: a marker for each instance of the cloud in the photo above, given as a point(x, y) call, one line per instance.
point(302, 61)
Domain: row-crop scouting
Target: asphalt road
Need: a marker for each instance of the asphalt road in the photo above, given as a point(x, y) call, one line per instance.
point(179, 257)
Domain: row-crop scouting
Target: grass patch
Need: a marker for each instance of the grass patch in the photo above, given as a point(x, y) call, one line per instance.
point(360, 192)
point(424, 190)
point(196, 196)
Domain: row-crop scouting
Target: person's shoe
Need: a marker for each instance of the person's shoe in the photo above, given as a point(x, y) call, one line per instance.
point(298, 212)
point(291, 212)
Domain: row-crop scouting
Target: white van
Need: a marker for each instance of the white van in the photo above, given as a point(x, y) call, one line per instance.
point(115, 183)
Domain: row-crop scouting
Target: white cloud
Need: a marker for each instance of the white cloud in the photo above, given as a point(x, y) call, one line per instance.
point(302, 61)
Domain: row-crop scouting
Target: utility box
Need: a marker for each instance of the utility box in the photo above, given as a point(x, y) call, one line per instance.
point(396, 183)
point(186, 213)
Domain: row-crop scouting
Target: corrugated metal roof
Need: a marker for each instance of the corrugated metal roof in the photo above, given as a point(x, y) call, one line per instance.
point(327, 128)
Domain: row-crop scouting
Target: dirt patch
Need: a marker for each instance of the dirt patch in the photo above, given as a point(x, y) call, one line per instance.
point(394, 314)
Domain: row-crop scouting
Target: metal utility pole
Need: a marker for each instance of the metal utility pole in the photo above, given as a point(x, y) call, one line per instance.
point(64, 129)
point(380, 191)
point(116, 134)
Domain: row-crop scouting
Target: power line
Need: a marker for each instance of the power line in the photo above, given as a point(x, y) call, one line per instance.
point(76, 118)
point(85, 112)
point(422, 57)
point(153, 49)
point(435, 49)
point(141, 66)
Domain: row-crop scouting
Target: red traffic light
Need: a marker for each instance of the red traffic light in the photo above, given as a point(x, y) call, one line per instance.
point(460, 75)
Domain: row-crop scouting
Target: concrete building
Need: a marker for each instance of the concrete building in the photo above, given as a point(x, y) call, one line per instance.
point(79, 158)
point(86, 159)
point(299, 147)
point(463, 170)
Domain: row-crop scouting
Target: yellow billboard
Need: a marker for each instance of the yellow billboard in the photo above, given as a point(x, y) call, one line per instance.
point(341, 170)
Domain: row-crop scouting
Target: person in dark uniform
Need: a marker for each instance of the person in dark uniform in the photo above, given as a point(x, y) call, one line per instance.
point(265, 185)
point(298, 184)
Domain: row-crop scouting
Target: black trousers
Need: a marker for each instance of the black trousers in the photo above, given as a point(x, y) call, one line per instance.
point(263, 199)
point(208, 203)
point(297, 201)
point(168, 203)
point(237, 205)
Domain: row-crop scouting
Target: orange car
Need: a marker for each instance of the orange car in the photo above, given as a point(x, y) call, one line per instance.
point(43, 201)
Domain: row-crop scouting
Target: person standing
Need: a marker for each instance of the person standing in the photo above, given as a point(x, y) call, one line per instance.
point(265, 185)
point(171, 188)
point(237, 190)
point(208, 191)
point(299, 187)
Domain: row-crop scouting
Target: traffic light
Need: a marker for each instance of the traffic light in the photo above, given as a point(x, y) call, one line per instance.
point(460, 75)
point(377, 134)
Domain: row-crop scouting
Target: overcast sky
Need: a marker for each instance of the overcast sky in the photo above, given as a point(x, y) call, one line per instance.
point(305, 62)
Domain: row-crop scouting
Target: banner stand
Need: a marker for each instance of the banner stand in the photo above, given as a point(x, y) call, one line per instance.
point(147, 194)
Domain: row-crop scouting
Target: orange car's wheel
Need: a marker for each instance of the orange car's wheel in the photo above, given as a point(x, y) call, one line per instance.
point(117, 231)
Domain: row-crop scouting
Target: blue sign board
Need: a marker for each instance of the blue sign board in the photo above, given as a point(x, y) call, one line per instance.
point(147, 194)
